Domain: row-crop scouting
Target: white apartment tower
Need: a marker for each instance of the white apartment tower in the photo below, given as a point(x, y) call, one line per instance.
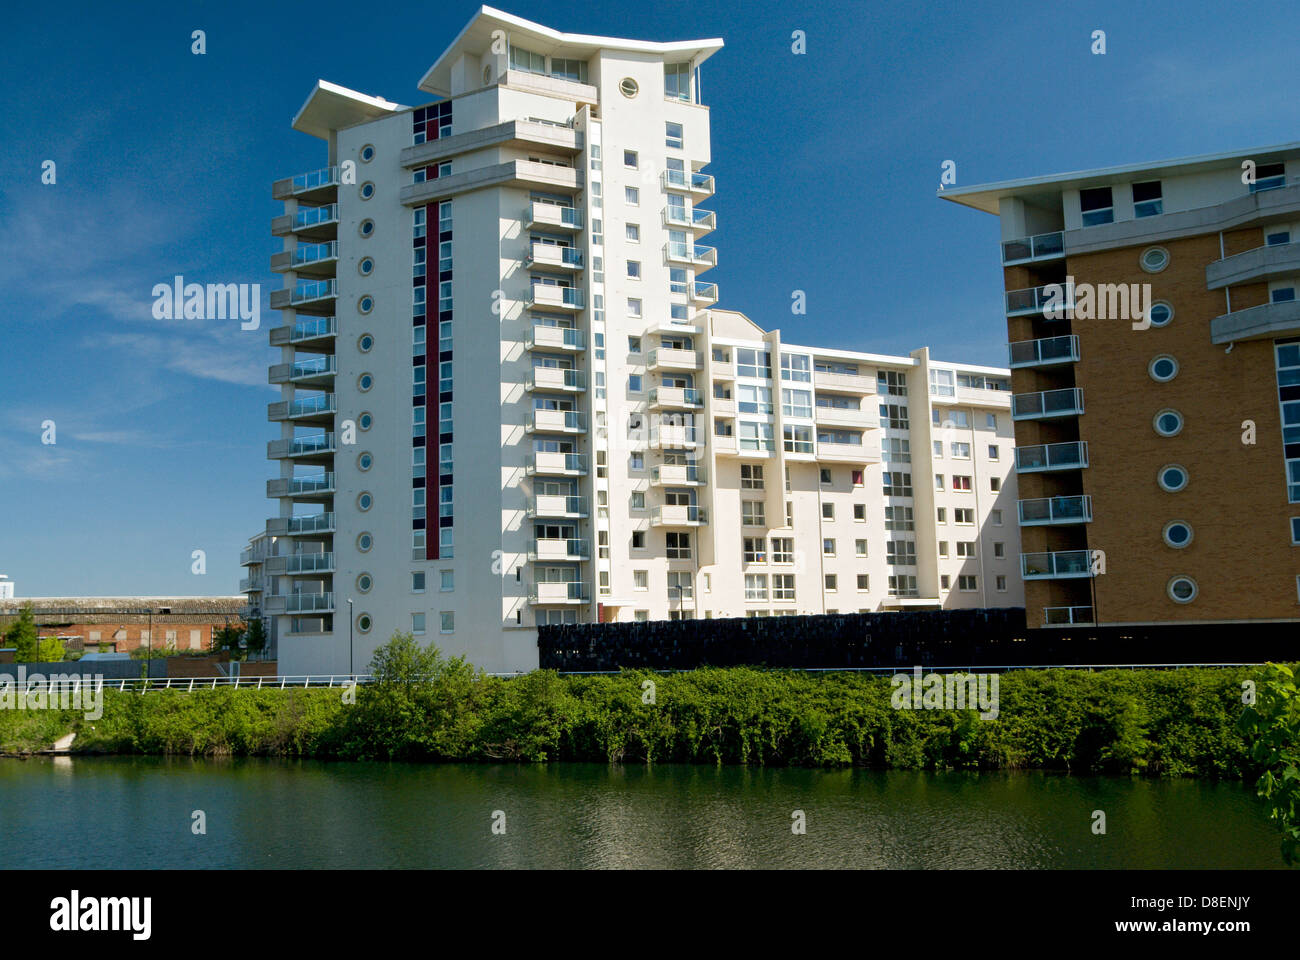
point(642, 454)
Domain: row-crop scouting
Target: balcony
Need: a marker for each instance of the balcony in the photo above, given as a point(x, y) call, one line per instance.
point(310, 223)
point(1061, 565)
point(301, 564)
point(1047, 404)
point(314, 525)
point(517, 174)
point(1051, 300)
point(252, 585)
point(679, 515)
point(1044, 353)
point(556, 593)
point(722, 370)
point(314, 371)
point(555, 297)
point(844, 382)
point(1042, 457)
point(314, 296)
point(690, 255)
point(675, 436)
point(678, 475)
point(1067, 616)
point(310, 259)
point(847, 453)
point(556, 464)
point(318, 331)
point(680, 181)
point(299, 603)
point(701, 221)
point(675, 398)
point(551, 215)
point(308, 409)
point(316, 186)
point(846, 417)
point(704, 293)
point(1043, 246)
point(543, 549)
point(1264, 322)
point(1055, 511)
point(556, 421)
point(724, 406)
point(673, 358)
point(563, 379)
point(318, 447)
point(302, 488)
point(724, 445)
point(542, 337)
point(565, 505)
point(1258, 264)
point(554, 255)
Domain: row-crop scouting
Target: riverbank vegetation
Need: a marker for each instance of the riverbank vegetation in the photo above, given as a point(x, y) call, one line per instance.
point(426, 707)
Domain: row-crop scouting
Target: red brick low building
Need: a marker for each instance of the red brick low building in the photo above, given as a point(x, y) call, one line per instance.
point(123, 624)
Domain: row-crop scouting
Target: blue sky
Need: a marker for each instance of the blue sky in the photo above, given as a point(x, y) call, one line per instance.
point(826, 164)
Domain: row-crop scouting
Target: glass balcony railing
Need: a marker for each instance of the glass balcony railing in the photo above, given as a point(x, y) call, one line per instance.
point(556, 378)
point(705, 291)
point(312, 524)
point(1044, 246)
point(677, 473)
point(314, 444)
point(1047, 300)
point(1049, 350)
point(554, 461)
point(567, 337)
point(313, 367)
point(316, 216)
point(553, 213)
point(321, 404)
point(679, 396)
point(556, 548)
point(308, 328)
point(316, 252)
point(692, 252)
point(309, 563)
point(1061, 564)
point(549, 293)
point(1064, 616)
point(309, 602)
point(1052, 456)
point(1055, 510)
point(671, 514)
point(683, 180)
point(314, 290)
point(1047, 404)
point(318, 484)
point(557, 420)
point(558, 504)
point(558, 592)
point(315, 179)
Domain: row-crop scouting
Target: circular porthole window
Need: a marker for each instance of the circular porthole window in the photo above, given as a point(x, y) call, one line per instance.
point(1177, 534)
point(364, 623)
point(364, 583)
point(365, 420)
point(367, 190)
point(367, 153)
point(1163, 368)
point(365, 266)
point(365, 461)
point(1168, 423)
point(628, 87)
point(364, 542)
point(364, 502)
point(1172, 477)
point(365, 382)
point(366, 228)
point(366, 304)
point(1182, 589)
point(487, 74)
point(1154, 259)
point(365, 342)
point(1160, 313)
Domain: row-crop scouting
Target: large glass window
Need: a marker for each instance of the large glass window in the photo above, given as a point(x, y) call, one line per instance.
point(796, 367)
point(677, 80)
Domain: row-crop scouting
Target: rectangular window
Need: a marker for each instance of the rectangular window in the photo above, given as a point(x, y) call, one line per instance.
point(751, 513)
point(891, 383)
point(1147, 200)
point(447, 622)
point(796, 367)
point(1001, 584)
point(860, 513)
point(943, 549)
point(632, 196)
point(417, 581)
point(896, 484)
point(796, 403)
point(755, 586)
point(677, 81)
point(995, 484)
point(965, 548)
point(633, 307)
point(828, 511)
point(640, 580)
point(899, 518)
point(678, 545)
point(417, 623)
point(864, 582)
point(630, 158)
point(960, 482)
point(944, 581)
point(900, 553)
point(832, 582)
point(634, 269)
point(941, 514)
point(755, 550)
point(526, 60)
point(993, 452)
point(967, 583)
point(859, 548)
point(999, 549)
point(783, 586)
point(941, 384)
point(964, 516)
point(638, 539)
point(633, 233)
point(673, 136)
point(782, 550)
point(1096, 206)
point(753, 363)
point(961, 451)
point(751, 476)
point(828, 548)
point(893, 416)
point(797, 438)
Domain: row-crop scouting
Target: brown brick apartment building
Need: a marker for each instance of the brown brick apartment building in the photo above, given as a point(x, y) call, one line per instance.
point(124, 623)
point(1158, 440)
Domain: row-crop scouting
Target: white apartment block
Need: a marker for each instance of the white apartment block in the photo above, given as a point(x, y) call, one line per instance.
point(642, 454)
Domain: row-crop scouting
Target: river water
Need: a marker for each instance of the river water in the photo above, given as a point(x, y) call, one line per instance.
point(131, 812)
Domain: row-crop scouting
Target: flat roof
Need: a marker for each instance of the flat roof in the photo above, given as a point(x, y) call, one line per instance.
point(477, 36)
point(332, 107)
point(986, 196)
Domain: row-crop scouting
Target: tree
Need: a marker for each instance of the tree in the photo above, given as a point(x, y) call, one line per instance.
point(50, 650)
point(1273, 727)
point(227, 638)
point(255, 636)
point(22, 635)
